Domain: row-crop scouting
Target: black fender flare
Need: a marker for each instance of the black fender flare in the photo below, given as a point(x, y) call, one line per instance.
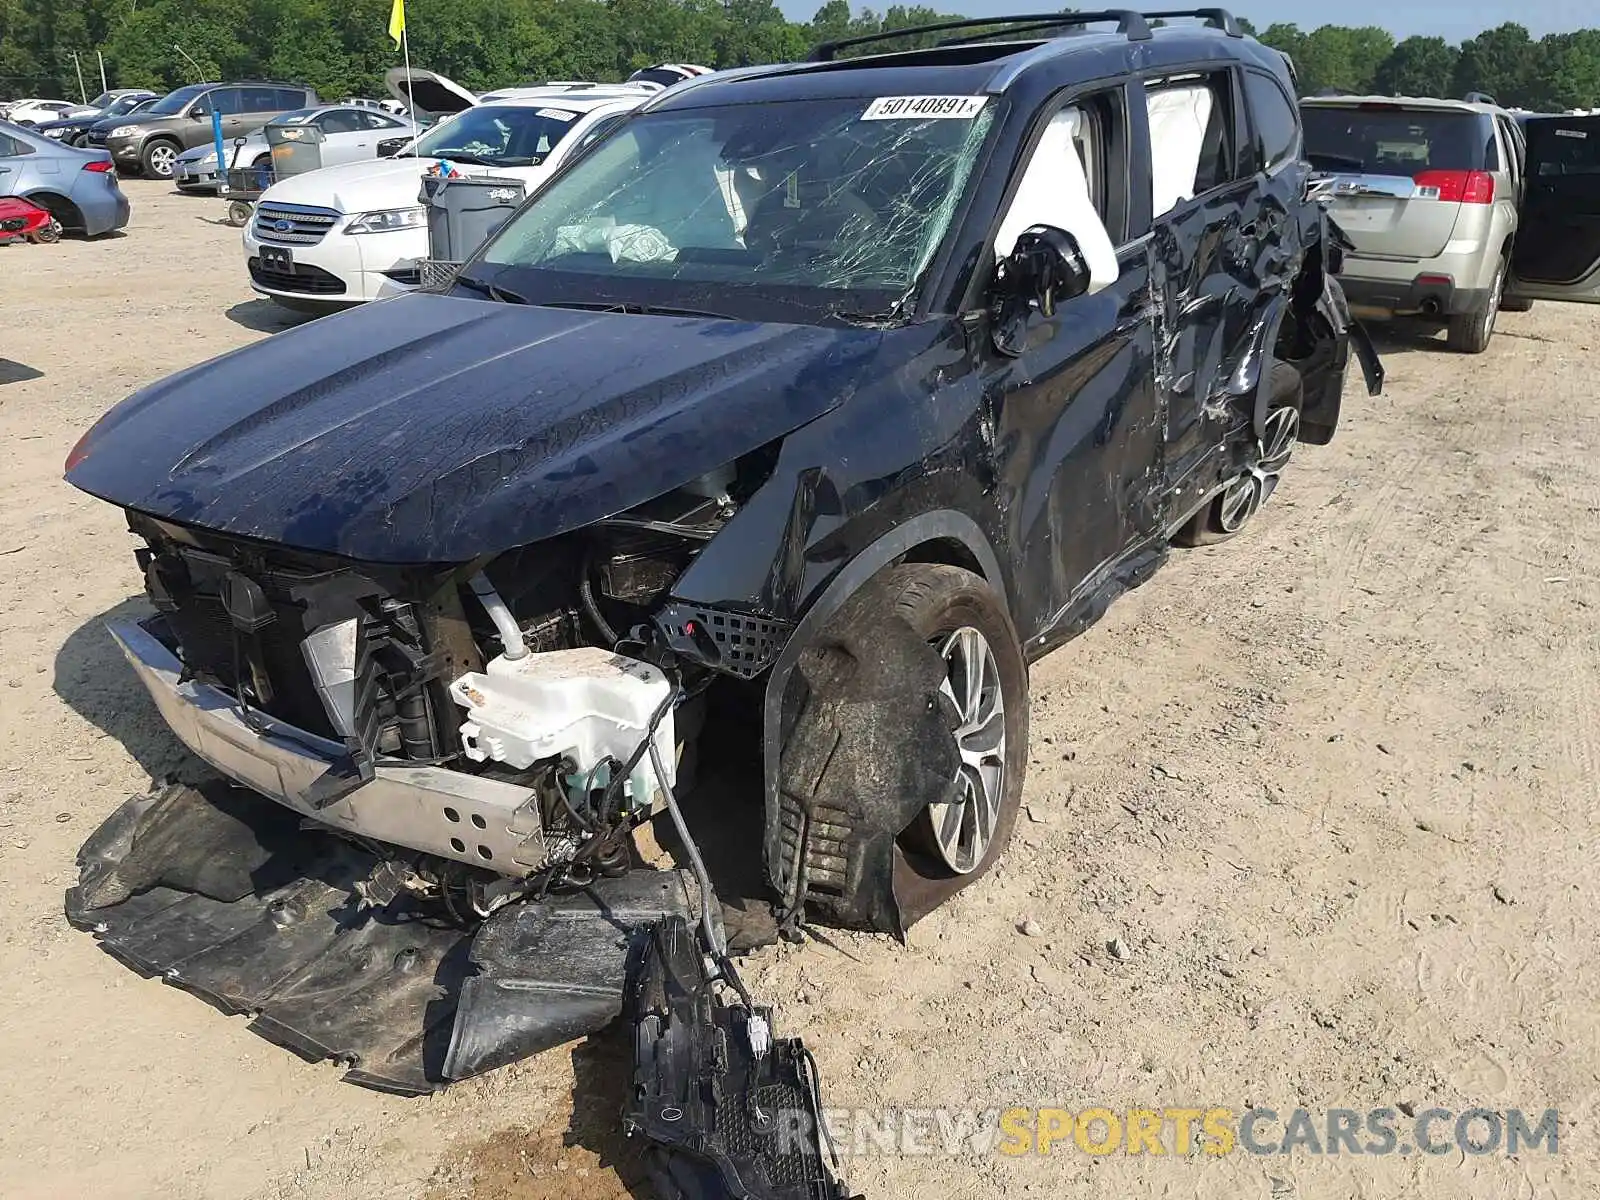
point(934, 526)
point(1271, 325)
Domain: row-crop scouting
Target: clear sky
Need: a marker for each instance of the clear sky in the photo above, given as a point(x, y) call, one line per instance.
point(1451, 19)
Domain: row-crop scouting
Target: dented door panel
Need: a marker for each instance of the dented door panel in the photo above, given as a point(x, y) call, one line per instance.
point(1078, 447)
point(1209, 293)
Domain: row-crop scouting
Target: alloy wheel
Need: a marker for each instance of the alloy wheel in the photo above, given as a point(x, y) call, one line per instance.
point(162, 160)
point(964, 827)
point(1247, 491)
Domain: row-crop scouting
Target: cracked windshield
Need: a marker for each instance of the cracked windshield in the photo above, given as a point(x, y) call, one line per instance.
point(839, 196)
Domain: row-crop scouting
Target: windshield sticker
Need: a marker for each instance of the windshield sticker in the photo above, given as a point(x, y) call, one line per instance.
point(1571, 133)
point(556, 114)
point(921, 108)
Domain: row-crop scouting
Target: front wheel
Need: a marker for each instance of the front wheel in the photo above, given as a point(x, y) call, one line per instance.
point(986, 689)
point(159, 160)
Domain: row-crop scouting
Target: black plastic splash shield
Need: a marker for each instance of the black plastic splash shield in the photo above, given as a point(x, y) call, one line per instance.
point(223, 893)
point(724, 1123)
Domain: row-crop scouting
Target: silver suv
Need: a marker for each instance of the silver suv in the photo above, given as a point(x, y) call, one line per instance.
point(1428, 191)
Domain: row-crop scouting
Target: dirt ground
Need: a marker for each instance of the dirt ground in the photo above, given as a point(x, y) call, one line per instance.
point(1332, 790)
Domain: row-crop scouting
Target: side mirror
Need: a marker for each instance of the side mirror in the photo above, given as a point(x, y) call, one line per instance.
point(1045, 267)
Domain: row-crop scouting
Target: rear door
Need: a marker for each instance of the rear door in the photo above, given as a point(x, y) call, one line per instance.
point(1397, 174)
point(257, 106)
point(13, 163)
point(346, 136)
point(1557, 251)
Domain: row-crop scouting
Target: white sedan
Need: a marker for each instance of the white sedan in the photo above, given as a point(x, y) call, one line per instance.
point(37, 112)
point(351, 133)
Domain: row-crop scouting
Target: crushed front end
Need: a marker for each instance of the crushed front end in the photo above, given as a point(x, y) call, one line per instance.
point(469, 749)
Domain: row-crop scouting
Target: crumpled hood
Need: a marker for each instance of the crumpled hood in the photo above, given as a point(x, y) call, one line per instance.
point(434, 429)
point(376, 184)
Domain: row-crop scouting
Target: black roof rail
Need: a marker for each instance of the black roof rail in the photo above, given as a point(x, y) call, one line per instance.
point(1217, 18)
point(1130, 24)
point(1059, 21)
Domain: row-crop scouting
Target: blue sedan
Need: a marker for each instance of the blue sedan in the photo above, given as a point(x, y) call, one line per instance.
point(77, 187)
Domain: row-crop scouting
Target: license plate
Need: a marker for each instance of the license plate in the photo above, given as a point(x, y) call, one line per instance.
point(277, 258)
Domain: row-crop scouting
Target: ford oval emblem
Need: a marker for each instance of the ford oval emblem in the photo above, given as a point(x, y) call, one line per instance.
point(282, 226)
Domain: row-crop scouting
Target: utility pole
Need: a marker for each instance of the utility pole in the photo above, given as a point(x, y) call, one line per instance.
point(103, 86)
point(77, 66)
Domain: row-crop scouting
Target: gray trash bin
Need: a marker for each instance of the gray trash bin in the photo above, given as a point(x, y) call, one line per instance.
point(462, 213)
point(296, 149)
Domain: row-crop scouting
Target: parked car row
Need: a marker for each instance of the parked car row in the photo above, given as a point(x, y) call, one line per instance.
point(74, 131)
point(349, 133)
point(357, 231)
point(173, 136)
point(151, 140)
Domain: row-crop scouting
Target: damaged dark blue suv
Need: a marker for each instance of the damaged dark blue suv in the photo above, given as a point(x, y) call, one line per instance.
point(747, 466)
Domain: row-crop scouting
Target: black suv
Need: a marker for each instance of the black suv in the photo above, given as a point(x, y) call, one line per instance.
point(151, 139)
point(749, 464)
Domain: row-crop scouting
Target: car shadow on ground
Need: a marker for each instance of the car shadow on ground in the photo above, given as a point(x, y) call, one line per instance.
point(264, 316)
point(96, 682)
point(15, 372)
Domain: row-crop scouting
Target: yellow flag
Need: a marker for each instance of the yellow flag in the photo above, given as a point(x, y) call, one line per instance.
point(397, 21)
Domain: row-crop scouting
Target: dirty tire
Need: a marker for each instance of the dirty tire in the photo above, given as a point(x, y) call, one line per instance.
point(1470, 333)
point(240, 212)
point(938, 601)
point(1216, 522)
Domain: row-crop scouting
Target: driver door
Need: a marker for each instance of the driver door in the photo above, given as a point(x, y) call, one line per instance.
point(1556, 255)
point(346, 136)
point(1078, 432)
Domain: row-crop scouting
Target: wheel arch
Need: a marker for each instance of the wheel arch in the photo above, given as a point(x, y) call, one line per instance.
point(157, 139)
point(940, 536)
point(58, 206)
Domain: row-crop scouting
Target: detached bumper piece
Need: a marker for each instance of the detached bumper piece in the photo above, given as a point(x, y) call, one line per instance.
point(724, 1122)
point(235, 898)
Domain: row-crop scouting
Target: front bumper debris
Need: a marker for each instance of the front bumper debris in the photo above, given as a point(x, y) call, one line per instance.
point(234, 898)
point(730, 1113)
point(482, 822)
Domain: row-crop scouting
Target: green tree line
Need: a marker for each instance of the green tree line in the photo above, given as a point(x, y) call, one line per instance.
point(341, 47)
point(1555, 73)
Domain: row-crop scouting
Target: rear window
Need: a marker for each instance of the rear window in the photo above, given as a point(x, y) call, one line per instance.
point(1380, 140)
